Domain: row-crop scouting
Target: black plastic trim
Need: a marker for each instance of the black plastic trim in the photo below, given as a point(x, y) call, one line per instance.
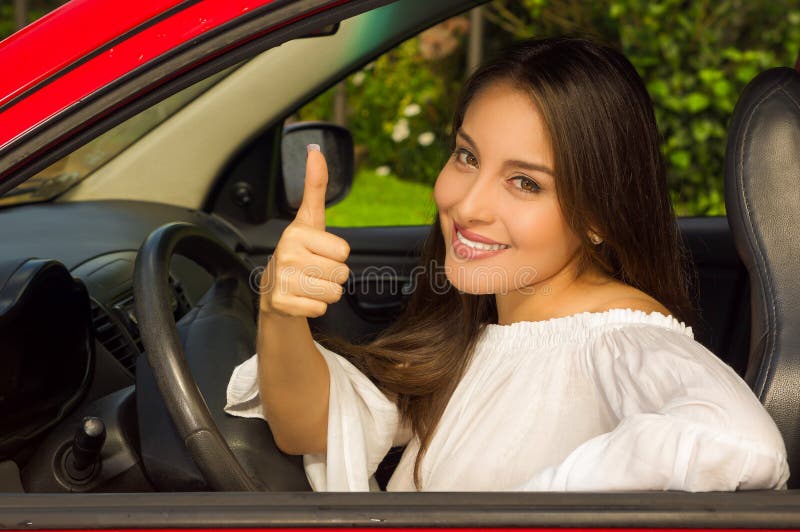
point(761, 509)
point(24, 283)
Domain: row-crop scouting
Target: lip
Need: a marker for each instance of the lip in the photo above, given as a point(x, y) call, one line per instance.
point(465, 252)
point(475, 237)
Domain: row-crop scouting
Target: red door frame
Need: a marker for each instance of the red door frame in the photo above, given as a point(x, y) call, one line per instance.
point(51, 69)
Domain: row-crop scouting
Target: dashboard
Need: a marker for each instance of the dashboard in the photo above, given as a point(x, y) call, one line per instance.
point(97, 242)
point(69, 335)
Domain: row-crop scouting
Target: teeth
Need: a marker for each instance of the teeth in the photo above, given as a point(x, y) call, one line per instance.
point(479, 245)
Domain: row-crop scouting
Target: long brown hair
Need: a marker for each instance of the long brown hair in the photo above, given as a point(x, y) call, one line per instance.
point(610, 179)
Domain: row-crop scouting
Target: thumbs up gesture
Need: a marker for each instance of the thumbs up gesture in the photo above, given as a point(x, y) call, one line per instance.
point(306, 272)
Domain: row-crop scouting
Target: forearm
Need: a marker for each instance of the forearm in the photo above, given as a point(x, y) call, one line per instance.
point(653, 451)
point(293, 383)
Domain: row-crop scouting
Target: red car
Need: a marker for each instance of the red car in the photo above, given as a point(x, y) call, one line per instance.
point(146, 171)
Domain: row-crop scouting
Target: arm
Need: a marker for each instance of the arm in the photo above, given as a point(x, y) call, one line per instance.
point(293, 382)
point(362, 425)
point(687, 422)
point(316, 402)
point(303, 276)
point(655, 451)
point(360, 422)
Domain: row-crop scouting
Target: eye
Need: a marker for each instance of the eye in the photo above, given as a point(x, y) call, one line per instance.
point(526, 184)
point(466, 157)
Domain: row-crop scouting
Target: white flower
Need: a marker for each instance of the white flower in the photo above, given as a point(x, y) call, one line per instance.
point(358, 78)
point(370, 66)
point(383, 170)
point(400, 131)
point(426, 139)
point(412, 109)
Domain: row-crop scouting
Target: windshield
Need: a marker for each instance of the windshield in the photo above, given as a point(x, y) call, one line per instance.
point(81, 163)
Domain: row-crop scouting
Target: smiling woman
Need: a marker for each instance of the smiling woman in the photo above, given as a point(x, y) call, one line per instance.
point(560, 346)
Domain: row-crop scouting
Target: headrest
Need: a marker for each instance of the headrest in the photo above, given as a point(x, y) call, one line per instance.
point(762, 196)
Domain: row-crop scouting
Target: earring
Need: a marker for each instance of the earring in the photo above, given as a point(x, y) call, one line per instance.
point(594, 238)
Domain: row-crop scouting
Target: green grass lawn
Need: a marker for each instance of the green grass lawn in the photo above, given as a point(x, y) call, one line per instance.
point(376, 200)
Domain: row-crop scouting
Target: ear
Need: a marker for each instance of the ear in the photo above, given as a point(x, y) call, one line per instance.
point(594, 237)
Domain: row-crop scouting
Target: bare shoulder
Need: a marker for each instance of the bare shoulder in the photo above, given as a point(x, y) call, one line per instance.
point(632, 298)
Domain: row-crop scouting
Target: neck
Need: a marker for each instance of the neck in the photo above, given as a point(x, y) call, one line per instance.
point(562, 294)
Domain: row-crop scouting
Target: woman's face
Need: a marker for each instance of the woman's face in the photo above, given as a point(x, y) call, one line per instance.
point(498, 186)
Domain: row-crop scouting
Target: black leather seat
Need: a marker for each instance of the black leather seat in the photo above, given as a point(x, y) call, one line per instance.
point(762, 196)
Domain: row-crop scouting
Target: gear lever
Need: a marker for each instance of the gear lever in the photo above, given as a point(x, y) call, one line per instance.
point(81, 462)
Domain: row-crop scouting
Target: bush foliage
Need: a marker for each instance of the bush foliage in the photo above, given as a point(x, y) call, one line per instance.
point(694, 56)
point(399, 110)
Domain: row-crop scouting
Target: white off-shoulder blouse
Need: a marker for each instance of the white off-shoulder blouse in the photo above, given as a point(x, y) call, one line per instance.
point(597, 401)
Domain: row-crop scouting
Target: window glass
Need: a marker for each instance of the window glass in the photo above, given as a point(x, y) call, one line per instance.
point(695, 58)
point(398, 109)
point(79, 164)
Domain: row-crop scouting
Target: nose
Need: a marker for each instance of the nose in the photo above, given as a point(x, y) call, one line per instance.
point(478, 203)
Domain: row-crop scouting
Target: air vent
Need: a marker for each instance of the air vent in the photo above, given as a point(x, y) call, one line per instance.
point(115, 338)
point(118, 330)
point(125, 313)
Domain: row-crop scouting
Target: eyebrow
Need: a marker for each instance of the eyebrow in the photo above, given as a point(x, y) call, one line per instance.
point(511, 162)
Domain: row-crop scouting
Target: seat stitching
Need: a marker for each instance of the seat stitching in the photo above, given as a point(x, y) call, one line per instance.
point(790, 96)
point(769, 308)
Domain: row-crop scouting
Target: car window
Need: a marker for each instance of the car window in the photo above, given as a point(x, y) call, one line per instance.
point(695, 59)
point(397, 108)
point(81, 163)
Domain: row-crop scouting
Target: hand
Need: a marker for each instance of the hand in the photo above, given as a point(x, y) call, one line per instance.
point(306, 272)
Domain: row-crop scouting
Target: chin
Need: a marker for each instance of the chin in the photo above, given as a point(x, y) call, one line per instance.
point(487, 277)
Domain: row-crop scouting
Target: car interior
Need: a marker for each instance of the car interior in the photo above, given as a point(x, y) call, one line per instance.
point(128, 297)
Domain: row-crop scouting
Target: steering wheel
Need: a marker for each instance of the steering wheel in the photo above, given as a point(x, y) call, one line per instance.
point(176, 384)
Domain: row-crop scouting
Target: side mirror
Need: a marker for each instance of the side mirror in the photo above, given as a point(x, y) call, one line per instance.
point(336, 144)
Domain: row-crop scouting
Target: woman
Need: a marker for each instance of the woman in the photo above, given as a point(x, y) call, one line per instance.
point(556, 355)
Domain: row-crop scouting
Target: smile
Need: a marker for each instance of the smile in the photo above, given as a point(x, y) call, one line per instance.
point(467, 249)
point(479, 245)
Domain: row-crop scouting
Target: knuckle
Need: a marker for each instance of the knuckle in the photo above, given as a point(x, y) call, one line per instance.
point(344, 274)
point(277, 255)
point(319, 308)
point(334, 293)
point(285, 257)
point(276, 303)
point(291, 232)
point(337, 295)
point(345, 248)
point(265, 305)
point(338, 245)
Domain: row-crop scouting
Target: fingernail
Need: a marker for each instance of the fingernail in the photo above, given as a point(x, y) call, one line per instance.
point(312, 147)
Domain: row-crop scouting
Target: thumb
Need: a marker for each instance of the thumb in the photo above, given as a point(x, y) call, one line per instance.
point(312, 208)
